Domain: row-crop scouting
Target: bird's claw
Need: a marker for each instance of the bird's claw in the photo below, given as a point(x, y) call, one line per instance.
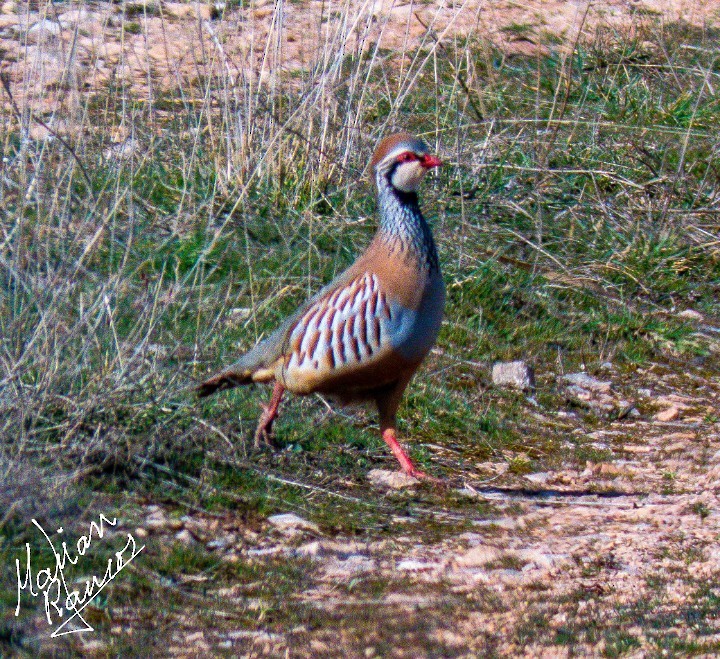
point(264, 436)
point(422, 476)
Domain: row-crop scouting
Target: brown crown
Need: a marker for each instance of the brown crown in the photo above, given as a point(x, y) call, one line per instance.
point(391, 143)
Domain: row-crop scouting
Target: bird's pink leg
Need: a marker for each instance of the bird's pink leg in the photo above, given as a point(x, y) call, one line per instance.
point(390, 437)
point(263, 432)
point(388, 401)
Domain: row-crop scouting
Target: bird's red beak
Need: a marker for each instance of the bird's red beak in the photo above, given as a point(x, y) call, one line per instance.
point(428, 161)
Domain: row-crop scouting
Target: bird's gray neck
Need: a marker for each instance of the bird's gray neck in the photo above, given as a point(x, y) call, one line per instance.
point(402, 224)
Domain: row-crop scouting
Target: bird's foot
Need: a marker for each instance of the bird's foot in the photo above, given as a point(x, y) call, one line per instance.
point(414, 472)
point(406, 465)
point(263, 433)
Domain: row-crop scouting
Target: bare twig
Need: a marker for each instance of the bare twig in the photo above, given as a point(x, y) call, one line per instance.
point(5, 80)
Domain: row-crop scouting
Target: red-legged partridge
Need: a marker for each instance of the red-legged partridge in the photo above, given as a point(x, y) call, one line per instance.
point(363, 336)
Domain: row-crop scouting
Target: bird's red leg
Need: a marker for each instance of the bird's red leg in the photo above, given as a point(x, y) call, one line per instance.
point(388, 401)
point(390, 437)
point(263, 432)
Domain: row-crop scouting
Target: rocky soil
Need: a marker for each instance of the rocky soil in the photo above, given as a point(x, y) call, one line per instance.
point(53, 53)
point(627, 547)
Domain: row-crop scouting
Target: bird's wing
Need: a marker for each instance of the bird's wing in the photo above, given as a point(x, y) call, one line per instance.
point(341, 332)
point(350, 336)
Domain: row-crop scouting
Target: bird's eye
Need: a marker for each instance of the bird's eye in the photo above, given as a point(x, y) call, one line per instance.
point(407, 156)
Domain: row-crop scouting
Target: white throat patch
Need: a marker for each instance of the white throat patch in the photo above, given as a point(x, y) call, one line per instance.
point(408, 176)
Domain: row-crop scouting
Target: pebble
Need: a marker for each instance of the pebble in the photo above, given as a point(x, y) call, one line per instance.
point(587, 382)
point(670, 414)
point(676, 400)
point(268, 551)
point(292, 522)
point(513, 374)
point(156, 521)
point(412, 565)
point(540, 477)
point(691, 314)
point(310, 550)
point(478, 556)
point(223, 542)
point(391, 480)
point(185, 537)
point(677, 437)
point(355, 564)
point(122, 151)
point(43, 30)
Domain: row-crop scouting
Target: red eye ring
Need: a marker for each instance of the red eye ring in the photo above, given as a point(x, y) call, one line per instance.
point(407, 156)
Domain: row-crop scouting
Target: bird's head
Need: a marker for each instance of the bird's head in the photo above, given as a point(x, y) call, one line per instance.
point(403, 160)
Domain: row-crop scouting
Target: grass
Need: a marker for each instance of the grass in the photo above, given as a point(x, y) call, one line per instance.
point(577, 216)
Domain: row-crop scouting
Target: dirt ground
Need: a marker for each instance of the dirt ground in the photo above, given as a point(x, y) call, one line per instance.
point(55, 53)
point(621, 545)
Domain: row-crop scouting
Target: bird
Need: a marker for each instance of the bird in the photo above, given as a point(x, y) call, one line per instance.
point(362, 337)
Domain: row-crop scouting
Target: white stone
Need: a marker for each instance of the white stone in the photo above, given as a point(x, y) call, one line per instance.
point(122, 151)
point(538, 559)
point(222, 542)
point(540, 477)
point(157, 521)
point(412, 565)
point(77, 16)
point(355, 564)
point(268, 551)
point(310, 550)
point(43, 30)
point(478, 556)
point(691, 314)
point(185, 537)
point(292, 522)
point(513, 374)
point(587, 382)
point(392, 480)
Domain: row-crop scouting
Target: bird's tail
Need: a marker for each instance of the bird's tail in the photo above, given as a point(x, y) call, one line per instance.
point(258, 365)
point(225, 380)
